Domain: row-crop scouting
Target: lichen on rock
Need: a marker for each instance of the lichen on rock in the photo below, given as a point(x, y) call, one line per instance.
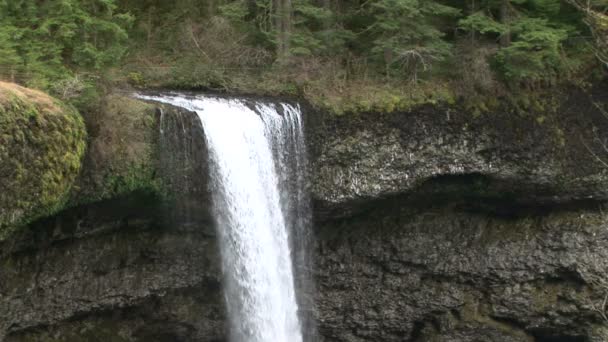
point(42, 142)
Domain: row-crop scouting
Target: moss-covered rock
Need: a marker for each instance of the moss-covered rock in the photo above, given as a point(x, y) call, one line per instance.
point(42, 142)
point(122, 155)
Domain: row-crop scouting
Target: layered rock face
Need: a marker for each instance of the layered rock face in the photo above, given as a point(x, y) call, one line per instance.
point(435, 226)
point(113, 271)
point(532, 158)
point(430, 226)
point(442, 275)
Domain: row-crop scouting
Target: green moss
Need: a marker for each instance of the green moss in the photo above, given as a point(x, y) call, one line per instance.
point(42, 143)
point(560, 137)
point(132, 178)
point(122, 154)
point(380, 98)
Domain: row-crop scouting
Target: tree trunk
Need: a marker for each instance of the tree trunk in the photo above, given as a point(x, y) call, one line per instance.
point(149, 27)
point(388, 61)
point(210, 8)
point(505, 39)
point(283, 26)
point(287, 13)
point(473, 34)
point(278, 16)
point(252, 9)
point(327, 6)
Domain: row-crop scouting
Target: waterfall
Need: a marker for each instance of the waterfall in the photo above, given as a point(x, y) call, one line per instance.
point(257, 164)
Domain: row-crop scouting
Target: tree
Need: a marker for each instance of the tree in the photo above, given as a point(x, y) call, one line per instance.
point(535, 53)
point(406, 36)
point(272, 19)
point(317, 30)
point(532, 35)
point(283, 27)
point(50, 39)
point(9, 57)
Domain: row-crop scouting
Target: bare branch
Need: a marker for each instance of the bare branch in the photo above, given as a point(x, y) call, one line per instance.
point(597, 22)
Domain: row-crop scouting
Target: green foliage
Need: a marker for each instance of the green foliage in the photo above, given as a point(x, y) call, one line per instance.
point(535, 54)
point(304, 40)
point(406, 37)
point(44, 42)
point(547, 8)
point(480, 22)
point(536, 48)
point(317, 31)
point(9, 57)
point(236, 11)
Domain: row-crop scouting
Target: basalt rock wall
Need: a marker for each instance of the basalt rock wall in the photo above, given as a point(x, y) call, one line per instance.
point(431, 225)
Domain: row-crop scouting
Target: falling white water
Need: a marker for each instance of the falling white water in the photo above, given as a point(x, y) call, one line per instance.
point(249, 148)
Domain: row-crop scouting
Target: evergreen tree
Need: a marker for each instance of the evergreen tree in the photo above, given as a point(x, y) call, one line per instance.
point(317, 30)
point(46, 40)
point(525, 41)
point(9, 57)
point(536, 32)
point(535, 54)
point(406, 34)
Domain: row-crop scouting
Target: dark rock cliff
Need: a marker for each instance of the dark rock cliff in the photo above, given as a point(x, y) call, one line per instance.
point(113, 271)
point(437, 226)
point(430, 226)
point(532, 158)
point(445, 275)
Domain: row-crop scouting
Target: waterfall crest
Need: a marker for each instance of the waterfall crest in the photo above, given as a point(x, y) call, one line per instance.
point(257, 165)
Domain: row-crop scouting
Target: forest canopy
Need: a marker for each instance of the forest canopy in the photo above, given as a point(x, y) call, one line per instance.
point(287, 46)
